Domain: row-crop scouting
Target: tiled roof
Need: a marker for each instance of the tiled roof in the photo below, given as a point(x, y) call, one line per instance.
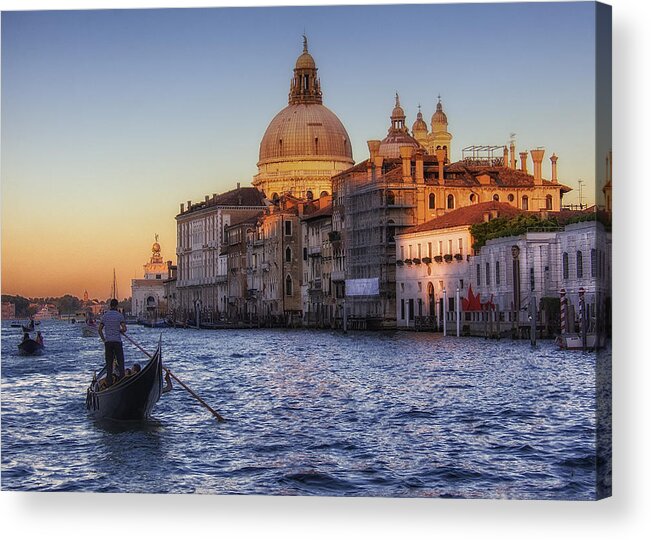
point(245, 217)
point(467, 215)
point(246, 196)
point(322, 212)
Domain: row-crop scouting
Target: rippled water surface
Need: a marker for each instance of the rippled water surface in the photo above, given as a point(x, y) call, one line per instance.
point(309, 413)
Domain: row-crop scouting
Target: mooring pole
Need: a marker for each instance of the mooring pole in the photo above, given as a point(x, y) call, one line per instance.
point(458, 306)
point(445, 318)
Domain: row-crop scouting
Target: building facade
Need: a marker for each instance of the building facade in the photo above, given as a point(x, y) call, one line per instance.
point(148, 298)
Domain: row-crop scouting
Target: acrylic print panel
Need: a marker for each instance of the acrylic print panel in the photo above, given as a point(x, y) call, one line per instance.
point(347, 264)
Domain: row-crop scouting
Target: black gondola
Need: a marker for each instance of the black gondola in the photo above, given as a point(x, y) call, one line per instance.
point(131, 398)
point(29, 347)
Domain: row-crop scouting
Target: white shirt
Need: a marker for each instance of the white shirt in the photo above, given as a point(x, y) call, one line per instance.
point(111, 321)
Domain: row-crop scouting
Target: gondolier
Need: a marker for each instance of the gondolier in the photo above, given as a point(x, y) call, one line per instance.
point(114, 324)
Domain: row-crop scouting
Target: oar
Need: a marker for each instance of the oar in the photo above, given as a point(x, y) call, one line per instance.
point(219, 417)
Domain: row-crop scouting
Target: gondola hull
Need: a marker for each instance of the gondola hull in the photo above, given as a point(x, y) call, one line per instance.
point(133, 398)
point(29, 347)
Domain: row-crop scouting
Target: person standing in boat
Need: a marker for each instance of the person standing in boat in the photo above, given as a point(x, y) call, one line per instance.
point(115, 325)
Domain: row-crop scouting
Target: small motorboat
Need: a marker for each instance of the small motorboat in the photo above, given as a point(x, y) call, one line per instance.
point(30, 347)
point(130, 398)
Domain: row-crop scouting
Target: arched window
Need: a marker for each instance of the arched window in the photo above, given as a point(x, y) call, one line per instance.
point(593, 263)
point(288, 254)
point(525, 202)
point(496, 198)
point(432, 201)
point(324, 194)
point(450, 202)
point(473, 198)
point(288, 285)
point(566, 266)
point(548, 202)
point(309, 195)
point(391, 198)
point(511, 198)
point(579, 264)
point(274, 197)
point(391, 231)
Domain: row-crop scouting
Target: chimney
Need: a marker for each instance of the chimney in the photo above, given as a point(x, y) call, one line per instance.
point(378, 161)
point(182, 208)
point(369, 170)
point(537, 157)
point(214, 195)
point(206, 198)
point(420, 168)
point(238, 185)
point(554, 159)
point(373, 149)
point(523, 161)
point(440, 158)
point(405, 154)
point(189, 205)
point(512, 166)
point(505, 161)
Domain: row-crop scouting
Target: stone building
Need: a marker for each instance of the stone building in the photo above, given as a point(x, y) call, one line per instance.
point(305, 143)
point(433, 262)
point(148, 298)
point(401, 185)
point(201, 281)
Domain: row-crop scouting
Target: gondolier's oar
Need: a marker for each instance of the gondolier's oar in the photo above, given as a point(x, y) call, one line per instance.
point(219, 417)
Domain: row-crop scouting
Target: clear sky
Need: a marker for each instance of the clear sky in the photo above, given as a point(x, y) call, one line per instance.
point(111, 118)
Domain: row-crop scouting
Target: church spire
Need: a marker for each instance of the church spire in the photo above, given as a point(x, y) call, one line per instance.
point(305, 86)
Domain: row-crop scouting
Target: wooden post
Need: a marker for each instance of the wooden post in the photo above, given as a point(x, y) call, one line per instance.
point(497, 314)
point(458, 306)
point(445, 318)
point(345, 317)
point(533, 315)
point(582, 319)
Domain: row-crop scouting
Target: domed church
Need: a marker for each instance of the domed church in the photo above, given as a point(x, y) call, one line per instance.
point(305, 143)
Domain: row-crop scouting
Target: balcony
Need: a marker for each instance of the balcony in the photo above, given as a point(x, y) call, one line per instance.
point(314, 251)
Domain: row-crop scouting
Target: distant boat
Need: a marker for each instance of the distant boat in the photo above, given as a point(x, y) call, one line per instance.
point(89, 330)
point(573, 342)
point(29, 347)
point(161, 323)
point(131, 398)
point(46, 312)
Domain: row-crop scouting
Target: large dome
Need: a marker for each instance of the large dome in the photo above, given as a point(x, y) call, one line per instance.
point(305, 130)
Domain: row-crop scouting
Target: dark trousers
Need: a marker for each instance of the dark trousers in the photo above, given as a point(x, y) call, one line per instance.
point(113, 351)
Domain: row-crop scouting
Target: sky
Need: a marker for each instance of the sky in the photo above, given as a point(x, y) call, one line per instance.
point(112, 118)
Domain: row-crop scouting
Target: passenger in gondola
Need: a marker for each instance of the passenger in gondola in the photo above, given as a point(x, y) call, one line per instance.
point(115, 325)
point(25, 337)
point(30, 325)
point(39, 338)
point(168, 383)
point(135, 369)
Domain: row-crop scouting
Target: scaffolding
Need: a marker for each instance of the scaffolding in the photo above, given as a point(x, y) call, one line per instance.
point(483, 155)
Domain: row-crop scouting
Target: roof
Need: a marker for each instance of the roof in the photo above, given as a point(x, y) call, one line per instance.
point(245, 196)
point(326, 211)
point(458, 174)
point(467, 215)
point(245, 217)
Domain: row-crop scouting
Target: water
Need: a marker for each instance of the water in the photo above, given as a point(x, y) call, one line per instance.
point(309, 413)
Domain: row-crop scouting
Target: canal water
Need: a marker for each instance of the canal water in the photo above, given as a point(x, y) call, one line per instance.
point(308, 413)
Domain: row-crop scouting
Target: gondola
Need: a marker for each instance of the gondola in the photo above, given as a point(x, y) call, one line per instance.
point(131, 398)
point(29, 347)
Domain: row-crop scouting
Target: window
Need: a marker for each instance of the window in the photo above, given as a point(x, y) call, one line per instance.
point(288, 228)
point(158, 276)
point(450, 247)
point(309, 195)
point(391, 231)
point(460, 246)
point(548, 202)
point(391, 198)
point(478, 275)
point(497, 272)
point(288, 254)
point(511, 198)
point(402, 308)
point(473, 197)
point(593, 263)
point(288, 286)
point(402, 252)
point(525, 202)
point(440, 247)
point(566, 266)
point(496, 198)
point(411, 309)
point(304, 253)
point(419, 251)
point(432, 201)
point(488, 273)
point(450, 202)
point(579, 264)
point(429, 249)
point(324, 194)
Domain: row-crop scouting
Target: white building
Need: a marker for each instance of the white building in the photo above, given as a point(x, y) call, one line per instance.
point(148, 296)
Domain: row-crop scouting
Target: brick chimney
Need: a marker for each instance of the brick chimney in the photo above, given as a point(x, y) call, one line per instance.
point(523, 161)
point(505, 160)
point(405, 154)
point(537, 157)
point(554, 159)
point(189, 205)
point(420, 168)
point(182, 208)
point(440, 158)
point(512, 166)
point(373, 149)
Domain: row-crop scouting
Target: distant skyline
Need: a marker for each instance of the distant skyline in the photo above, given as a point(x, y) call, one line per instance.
point(112, 118)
